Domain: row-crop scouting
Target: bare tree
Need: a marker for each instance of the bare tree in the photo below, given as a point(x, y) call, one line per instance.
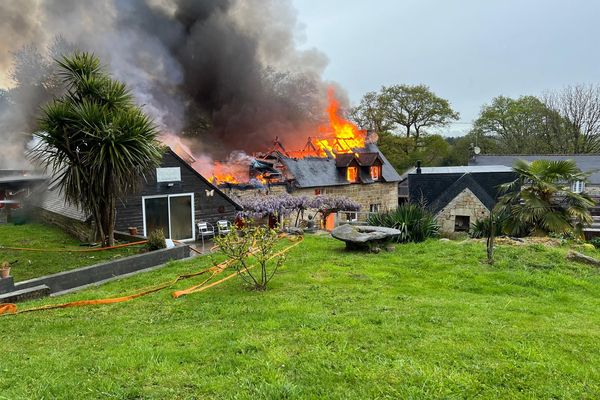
point(580, 105)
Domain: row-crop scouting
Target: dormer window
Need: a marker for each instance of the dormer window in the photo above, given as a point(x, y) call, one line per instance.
point(375, 172)
point(352, 174)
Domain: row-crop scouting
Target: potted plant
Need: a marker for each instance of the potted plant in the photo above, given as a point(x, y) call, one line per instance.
point(4, 269)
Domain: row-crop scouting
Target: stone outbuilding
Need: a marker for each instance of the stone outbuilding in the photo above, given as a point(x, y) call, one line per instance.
point(458, 196)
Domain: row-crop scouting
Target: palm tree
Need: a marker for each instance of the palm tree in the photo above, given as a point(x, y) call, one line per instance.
point(541, 201)
point(95, 141)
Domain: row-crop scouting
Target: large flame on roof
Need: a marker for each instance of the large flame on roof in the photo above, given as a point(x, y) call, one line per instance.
point(342, 136)
point(337, 136)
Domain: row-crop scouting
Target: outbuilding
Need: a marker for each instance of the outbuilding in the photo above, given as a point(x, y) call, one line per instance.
point(174, 198)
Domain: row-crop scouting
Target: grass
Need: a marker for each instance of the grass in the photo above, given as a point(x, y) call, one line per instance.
point(35, 264)
point(429, 320)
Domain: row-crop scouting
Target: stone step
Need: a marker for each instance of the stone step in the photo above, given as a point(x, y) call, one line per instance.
point(30, 293)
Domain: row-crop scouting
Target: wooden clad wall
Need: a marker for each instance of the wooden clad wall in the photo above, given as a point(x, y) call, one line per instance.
point(206, 207)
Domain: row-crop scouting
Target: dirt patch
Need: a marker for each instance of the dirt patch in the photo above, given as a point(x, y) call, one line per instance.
point(527, 241)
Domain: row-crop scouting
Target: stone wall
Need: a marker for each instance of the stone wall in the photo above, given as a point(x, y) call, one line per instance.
point(385, 194)
point(464, 204)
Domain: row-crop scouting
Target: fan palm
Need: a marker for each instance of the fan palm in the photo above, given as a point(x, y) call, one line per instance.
point(95, 141)
point(541, 201)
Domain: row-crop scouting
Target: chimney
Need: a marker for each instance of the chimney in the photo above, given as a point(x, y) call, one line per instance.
point(371, 136)
point(418, 166)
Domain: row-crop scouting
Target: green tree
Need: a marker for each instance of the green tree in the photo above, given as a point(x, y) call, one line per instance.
point(541, 200)
point(523, 126)
point(413, 109)
point(403, 152)
point(462, 148)
point(97, 144)
point(372, 114)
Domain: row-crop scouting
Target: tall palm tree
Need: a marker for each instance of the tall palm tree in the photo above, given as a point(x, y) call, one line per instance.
point(541, 201)
point(95, 141)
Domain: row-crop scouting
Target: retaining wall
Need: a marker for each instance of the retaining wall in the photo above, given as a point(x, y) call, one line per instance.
point(96, 273)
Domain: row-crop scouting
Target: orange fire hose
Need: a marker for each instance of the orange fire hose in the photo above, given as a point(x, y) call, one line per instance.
point(11, 309)
point(201, 287)
point(76, 250)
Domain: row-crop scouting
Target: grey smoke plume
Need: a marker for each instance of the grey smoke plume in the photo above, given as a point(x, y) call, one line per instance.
point(226, 73)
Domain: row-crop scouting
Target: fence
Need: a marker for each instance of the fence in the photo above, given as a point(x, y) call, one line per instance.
point(352, 217)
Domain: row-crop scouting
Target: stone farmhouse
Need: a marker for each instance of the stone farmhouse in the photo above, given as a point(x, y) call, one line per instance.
point(364, 176)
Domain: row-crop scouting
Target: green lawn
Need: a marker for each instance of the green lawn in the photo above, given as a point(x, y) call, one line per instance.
point(34, 264)
point(429, 320)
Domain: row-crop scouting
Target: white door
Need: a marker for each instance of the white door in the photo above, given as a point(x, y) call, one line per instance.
point(174, 214)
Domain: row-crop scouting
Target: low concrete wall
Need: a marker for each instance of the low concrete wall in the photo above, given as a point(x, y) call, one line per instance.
point(99, 272)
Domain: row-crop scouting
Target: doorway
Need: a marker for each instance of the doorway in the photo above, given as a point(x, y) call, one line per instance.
point(174, 214)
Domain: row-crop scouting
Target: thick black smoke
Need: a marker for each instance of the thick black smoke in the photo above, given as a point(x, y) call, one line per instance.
point(226, 73)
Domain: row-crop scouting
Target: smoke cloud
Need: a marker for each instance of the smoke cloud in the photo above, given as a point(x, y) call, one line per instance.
point(225, 74)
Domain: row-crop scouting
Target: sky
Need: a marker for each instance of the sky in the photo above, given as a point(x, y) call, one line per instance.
point(467, 51)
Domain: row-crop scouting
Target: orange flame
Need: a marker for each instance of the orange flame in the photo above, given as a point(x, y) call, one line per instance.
point(339, 135)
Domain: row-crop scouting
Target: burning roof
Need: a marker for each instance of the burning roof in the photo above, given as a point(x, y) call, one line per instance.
point(338, 145)
point(320, 172)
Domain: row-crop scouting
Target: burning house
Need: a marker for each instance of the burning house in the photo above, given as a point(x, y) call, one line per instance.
point(342, 161)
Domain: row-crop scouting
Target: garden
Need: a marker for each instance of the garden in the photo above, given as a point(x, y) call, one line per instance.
point(428, 320)
point(57, 251)
point(302, 317)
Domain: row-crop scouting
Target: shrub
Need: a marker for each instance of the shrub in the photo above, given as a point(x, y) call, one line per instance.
point(156, 240)
point(252, 244)
point(414, 221)
point(595, 242)
point(482, 227)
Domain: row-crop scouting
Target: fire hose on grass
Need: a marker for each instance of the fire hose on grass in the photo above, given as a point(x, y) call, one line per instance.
point(77, 250)
point(11, 309)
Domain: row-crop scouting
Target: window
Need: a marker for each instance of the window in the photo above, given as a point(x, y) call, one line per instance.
point(174, 214)
point(352, 174)
point(462, 223)
point(351, 216)
point(374, 208)
point(578, 186)
point(375, 172)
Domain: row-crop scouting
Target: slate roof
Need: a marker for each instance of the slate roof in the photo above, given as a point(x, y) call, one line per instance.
point(343, 160)
point(466, 181)
point(589, 163)
point(322, 172)
point(463, 169)
point(314, 171)
point(436, 187)
point(388, 172)
point(367, 159)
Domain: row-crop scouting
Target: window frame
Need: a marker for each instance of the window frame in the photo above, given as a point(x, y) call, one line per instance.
point(352, 178)
point(377, 169)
